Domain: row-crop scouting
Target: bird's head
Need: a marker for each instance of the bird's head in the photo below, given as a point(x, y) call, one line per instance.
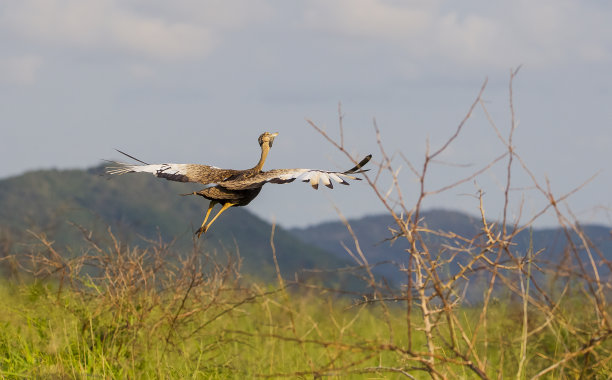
point(267, 138)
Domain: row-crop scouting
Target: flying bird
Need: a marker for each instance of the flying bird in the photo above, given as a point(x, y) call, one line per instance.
point(230, 187)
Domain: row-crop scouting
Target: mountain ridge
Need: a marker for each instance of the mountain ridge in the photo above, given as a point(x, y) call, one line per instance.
point(142, 206)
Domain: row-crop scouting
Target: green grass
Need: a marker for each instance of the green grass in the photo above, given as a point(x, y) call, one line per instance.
point(259, 332)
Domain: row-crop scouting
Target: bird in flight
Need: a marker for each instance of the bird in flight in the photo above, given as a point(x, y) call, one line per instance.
point(230, 187)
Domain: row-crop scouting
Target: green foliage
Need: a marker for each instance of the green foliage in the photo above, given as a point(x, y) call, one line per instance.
point(215, 328)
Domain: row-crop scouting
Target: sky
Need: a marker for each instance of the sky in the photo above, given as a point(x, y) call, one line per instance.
point(192, 81)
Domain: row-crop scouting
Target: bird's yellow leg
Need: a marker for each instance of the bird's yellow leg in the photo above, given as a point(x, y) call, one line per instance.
point(203, 229)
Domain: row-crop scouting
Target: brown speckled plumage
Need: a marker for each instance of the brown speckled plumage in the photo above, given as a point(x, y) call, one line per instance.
point(231, 187)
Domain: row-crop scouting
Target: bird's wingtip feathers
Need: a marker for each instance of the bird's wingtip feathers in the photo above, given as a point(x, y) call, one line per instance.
point(121, 168)
point(362, 163)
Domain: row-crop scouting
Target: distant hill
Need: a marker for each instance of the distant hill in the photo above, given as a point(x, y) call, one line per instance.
point(140, 206)
point(136, 207)
point(373, 234)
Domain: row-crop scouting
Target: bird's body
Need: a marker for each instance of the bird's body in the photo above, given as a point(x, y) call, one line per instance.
point(223, 195)
point(231, 187)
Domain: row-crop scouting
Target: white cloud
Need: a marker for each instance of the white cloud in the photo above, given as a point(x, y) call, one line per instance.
point(216, 14)
point(161, 30)
point(371, 18)
point(467, 40)
point(501, 35)
point(158, 38)
point(476, 35)
point(19, 70)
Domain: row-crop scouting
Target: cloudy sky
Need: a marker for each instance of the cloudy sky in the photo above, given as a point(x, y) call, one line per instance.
point(198, 81)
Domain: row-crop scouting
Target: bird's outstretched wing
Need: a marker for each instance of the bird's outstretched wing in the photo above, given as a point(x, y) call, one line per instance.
point(313, 176)
point(174, 172)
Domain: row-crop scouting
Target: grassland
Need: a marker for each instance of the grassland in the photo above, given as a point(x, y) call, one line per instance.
point(140, 315)
point(118, 311)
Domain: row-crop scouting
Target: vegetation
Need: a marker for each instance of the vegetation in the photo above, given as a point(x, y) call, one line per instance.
point(119, 310)
point(142, 317)
point(60, 204)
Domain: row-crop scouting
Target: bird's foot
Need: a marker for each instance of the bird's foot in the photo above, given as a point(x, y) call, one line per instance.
point(201, 230)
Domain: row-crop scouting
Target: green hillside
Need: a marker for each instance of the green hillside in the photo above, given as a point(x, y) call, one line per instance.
point(137, 208)
point(140, 207)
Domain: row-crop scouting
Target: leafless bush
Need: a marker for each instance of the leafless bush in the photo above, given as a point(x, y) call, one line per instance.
point(125, 293)
point(542, 292)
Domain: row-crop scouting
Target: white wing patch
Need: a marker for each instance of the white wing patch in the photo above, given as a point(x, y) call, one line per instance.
point(173, 172)
point(314, 177)
point(169, 169)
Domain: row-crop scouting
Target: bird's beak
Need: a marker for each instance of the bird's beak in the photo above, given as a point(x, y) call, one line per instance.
point(273, 135)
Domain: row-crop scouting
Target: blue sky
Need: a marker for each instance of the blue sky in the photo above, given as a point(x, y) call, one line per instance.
point(198, 81)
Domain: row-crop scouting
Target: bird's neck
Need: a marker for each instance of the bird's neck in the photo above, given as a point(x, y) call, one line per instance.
point(265, 148)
